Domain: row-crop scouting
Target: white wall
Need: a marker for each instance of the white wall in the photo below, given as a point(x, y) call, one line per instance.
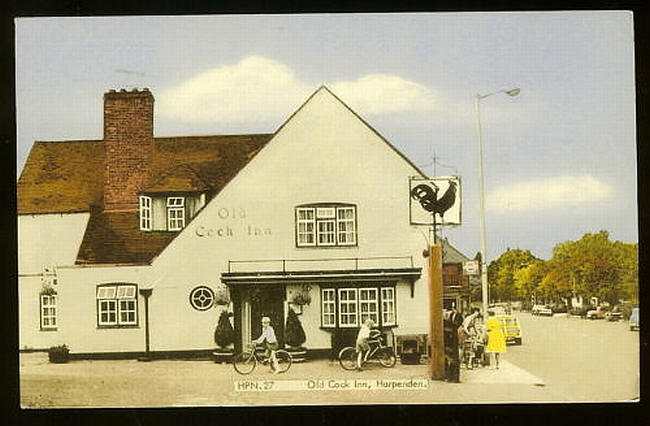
point(43, 240)
point(324, 154)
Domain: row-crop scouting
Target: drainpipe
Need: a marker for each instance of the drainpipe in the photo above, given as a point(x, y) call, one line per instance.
point(146, 293)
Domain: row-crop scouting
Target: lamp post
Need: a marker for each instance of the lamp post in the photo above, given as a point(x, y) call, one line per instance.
point(481, 196)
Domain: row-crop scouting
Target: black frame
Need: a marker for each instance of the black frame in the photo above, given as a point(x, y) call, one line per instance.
point(326, 205)
point(202, 287)
point(40, 312)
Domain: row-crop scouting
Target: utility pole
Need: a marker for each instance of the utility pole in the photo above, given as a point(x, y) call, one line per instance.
point(436, 330)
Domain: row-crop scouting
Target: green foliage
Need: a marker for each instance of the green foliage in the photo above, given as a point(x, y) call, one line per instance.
point(502, 273)
point(224, 334)
point(58, 354)
point(591, 266)
point(294, 335)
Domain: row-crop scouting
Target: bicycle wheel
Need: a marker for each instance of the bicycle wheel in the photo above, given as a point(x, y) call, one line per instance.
point(282, 361)
point(386, 357)
point(348, 358)
point(245, 362)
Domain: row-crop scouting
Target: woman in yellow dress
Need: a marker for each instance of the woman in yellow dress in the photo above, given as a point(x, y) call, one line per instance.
point(496, 339)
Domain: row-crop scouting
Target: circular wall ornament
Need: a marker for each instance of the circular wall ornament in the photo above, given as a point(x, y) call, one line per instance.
point(202, 298)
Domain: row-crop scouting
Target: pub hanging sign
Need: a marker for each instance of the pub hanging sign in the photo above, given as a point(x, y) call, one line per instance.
point(439, 196)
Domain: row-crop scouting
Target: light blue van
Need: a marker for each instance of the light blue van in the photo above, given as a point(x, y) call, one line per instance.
point(634, 319)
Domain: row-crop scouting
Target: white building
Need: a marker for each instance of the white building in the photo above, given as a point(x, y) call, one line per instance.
point(318, 207)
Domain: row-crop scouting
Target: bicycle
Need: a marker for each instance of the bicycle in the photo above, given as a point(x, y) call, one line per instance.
point(246, 361)
point(384, 354)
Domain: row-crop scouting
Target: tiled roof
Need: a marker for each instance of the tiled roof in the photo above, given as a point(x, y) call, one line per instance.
point(64, 177)
point(115, 237)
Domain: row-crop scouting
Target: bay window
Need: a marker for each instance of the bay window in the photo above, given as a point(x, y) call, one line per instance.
point(350, 307)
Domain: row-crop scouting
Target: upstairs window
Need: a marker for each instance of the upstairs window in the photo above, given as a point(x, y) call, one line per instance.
point(145, 213)
point(175, 213)
point(326, 225)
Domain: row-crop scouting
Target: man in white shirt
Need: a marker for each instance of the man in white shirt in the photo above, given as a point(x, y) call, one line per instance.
point(269, 340)
point(362, 340)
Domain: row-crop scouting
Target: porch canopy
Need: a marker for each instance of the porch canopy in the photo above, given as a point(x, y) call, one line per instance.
point(278, 271)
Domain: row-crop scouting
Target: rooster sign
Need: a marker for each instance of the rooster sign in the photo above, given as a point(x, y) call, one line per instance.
point(439, 196)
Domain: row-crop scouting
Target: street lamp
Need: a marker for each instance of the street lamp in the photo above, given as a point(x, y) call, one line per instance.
point(481, 197)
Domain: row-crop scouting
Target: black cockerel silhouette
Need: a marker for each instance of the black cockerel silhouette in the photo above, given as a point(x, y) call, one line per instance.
point(427, 198)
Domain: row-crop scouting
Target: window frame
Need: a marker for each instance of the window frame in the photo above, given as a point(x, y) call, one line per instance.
point(332, 303)
point(355, 291)
point(382, 291)
point(50, 316)
point(146, 213)
point(369, 303)
point(179, 210)
point(206, 289)
point(111, 301)
point(320, 216)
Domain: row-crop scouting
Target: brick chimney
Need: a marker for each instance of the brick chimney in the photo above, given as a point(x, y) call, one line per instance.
point(128, 141)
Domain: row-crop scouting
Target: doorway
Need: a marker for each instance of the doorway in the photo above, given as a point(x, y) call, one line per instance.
point(267, 301)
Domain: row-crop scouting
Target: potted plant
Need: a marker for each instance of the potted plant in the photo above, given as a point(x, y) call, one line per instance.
point(224, 337)
point(300, 299)
point(294, 337)
point(58, 354)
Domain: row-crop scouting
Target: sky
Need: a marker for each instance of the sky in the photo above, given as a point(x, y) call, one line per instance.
point(559, 159)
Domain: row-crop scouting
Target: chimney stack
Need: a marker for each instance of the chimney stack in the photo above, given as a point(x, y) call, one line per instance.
point(128, 141)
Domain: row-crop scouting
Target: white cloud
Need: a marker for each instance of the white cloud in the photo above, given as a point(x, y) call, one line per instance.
point(545, 194)
point(262, 89)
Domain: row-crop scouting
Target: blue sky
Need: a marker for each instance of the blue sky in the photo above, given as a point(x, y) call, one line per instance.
point(560, 158)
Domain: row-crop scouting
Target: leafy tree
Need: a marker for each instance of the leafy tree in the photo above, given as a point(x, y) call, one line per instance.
point(501, 273)
point(294, 334)
point(529, 279)
point(224, 334)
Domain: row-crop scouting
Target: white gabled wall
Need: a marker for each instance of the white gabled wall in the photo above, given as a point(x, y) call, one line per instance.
point(43, 240)
point(324, 153)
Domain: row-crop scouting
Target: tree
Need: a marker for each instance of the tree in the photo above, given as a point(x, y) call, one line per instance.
point(294, 334)
point(501, 273)
point(224, 334)
point(529, 279)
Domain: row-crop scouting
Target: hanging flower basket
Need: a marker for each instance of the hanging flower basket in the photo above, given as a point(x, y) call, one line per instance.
point(301, 298)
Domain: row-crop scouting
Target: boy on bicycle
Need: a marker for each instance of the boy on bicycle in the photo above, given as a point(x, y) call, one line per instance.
point(269, 340)
point(362, 345)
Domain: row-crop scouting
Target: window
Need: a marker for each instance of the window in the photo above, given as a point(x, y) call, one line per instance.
point(348, 307)
point(388, 306)
point(145, 213)
point(202, 298)
point(328, 302)
point(355, 305)
point(326, 225)
point(175, 213)
point(117, 305)
point(305, 226)
point(368, 307)
point(48, 311)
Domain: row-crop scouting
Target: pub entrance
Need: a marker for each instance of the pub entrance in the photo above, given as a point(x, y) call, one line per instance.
point(251, 304)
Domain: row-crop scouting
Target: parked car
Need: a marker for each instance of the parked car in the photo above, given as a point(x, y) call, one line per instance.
point(580, 312)
point(598, 313)
point(634, 319)
point(559, 308)
point(614, 315)
point(542, 310)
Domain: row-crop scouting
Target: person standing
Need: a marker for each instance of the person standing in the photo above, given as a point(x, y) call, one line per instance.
point(496, 339)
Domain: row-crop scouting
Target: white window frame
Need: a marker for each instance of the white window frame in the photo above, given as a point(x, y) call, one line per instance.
point(48, 311)
point(337, 230)
point(350, 232)
point(328, 319)
point(305, 223)
point(349, 303)
point(369, 303)
point(119, 303)
point(145, 213)
point(388, 302)
point(175, 213)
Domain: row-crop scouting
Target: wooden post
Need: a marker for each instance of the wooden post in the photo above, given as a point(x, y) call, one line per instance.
point(146, 293)
point(436, 336)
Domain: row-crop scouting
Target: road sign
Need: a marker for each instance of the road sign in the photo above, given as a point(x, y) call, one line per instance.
point(439, 196)
point(470, 267)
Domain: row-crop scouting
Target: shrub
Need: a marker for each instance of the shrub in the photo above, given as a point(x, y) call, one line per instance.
point(294, 335)
point(58, 354)
point(224, 334)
